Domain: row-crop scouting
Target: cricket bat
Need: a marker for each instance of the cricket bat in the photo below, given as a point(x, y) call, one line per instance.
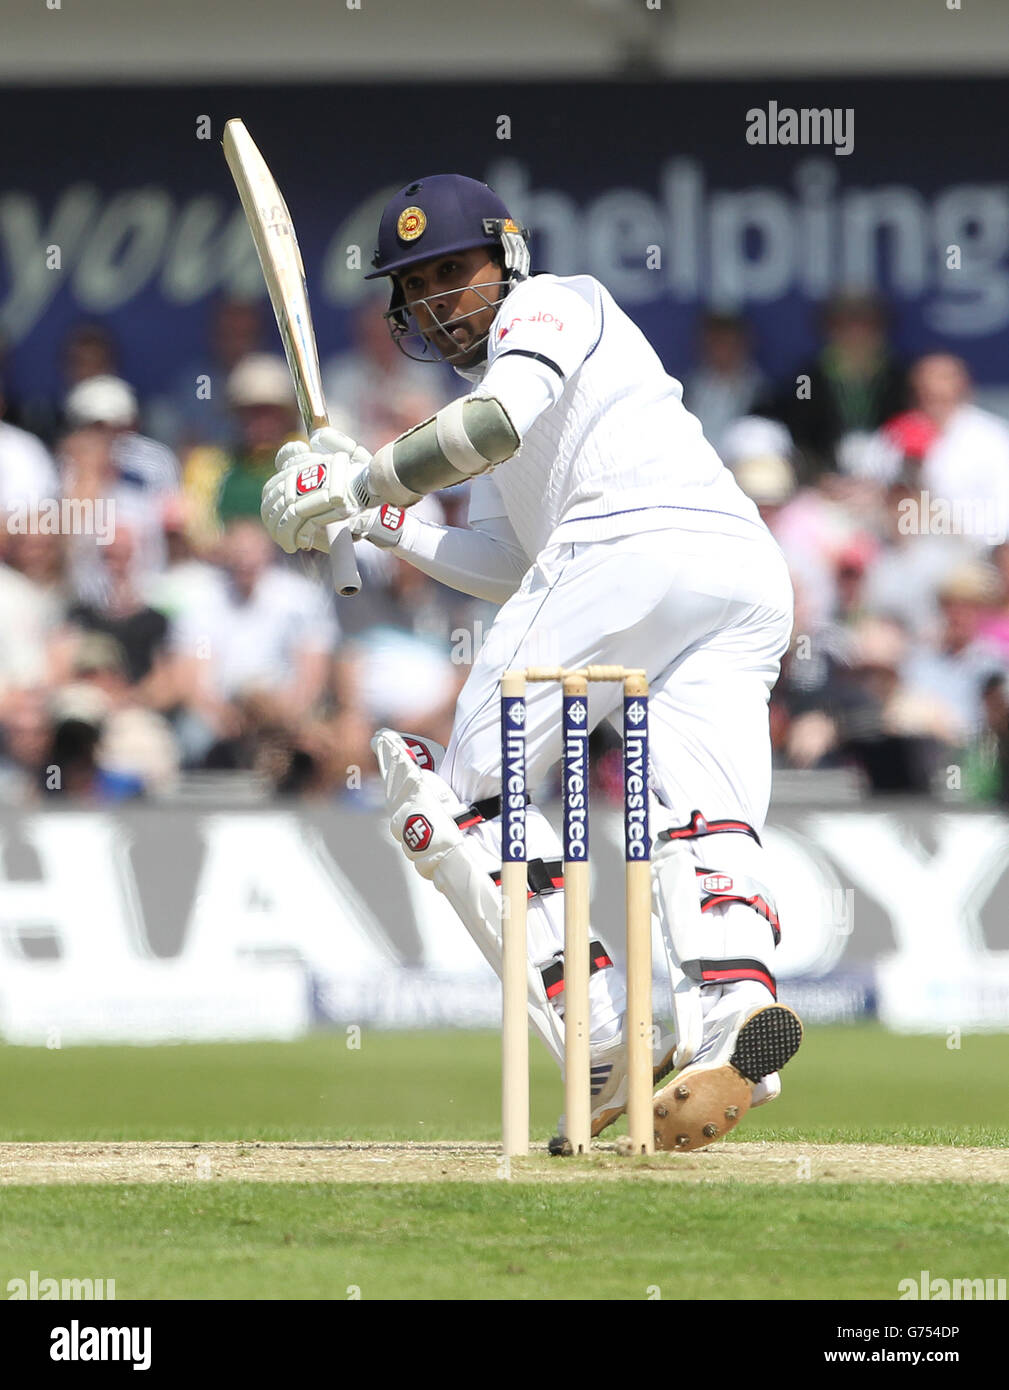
point(284, 272)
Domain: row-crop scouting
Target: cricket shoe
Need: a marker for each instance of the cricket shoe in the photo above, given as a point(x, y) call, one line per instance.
point(767, 1089)
point(608, 1081)
point(734, 1069)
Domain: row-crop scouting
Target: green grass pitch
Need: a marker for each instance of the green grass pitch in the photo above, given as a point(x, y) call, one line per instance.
point(532, 1239)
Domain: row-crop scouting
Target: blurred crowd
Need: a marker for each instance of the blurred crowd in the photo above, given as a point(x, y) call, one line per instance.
point(150, 632)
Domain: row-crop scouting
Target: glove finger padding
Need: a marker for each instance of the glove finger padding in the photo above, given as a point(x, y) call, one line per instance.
point(312, 537)
point(287, 453)
point(330, 440)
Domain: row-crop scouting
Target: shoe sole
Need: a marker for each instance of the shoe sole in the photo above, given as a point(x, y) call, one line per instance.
point(609, 1117)
point(703, 1104)
point(766, 1041)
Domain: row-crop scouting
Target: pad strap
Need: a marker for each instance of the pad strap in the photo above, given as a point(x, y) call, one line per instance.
point(544, 876)
point(724, 972)
point(487, 809)
point(553, 974)
point(698, 826)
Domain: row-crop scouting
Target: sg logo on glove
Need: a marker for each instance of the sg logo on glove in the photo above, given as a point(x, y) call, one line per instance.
point(417, 833)
point(312, 478)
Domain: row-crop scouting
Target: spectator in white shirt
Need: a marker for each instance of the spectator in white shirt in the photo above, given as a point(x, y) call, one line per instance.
point(26, 731)
point(27, 472)
point(955, 669)
point(914, 561)
point(26, 631)
point(259, 627)
point(967, 465)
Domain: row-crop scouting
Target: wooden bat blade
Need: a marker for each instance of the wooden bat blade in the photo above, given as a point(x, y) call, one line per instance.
point(280, 258)
point(279, 255)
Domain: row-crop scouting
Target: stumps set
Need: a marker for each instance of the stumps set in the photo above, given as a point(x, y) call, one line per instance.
point(514, 890)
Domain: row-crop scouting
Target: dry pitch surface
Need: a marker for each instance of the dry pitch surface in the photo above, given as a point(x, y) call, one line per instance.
point(42, 1163)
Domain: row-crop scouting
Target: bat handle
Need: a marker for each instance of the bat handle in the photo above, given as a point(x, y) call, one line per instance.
point(342, 564)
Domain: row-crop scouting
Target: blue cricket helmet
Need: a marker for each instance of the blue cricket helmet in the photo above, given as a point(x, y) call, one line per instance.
point(437, 215)
point(434, 217)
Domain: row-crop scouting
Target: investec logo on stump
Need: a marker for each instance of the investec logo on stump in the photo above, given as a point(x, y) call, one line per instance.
point(576, 779)
point(513, 804)
point(636, 840)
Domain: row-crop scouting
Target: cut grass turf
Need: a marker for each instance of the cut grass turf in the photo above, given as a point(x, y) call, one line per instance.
point(489, 1240)
point(500, 1240)
point(847, 1084)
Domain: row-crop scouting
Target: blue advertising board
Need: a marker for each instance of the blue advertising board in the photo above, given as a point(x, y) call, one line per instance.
point(116, 204)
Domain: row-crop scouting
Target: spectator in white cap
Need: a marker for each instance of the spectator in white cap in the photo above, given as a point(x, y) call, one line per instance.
point(758, 452)
point(109, 403)
point(107, 464)
point(956, 665)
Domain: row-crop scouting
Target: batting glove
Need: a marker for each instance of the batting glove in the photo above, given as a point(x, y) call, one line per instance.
point(383, 526)
point(312, 488)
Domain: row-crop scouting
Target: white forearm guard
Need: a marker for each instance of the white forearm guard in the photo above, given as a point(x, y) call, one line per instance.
point(466, 437)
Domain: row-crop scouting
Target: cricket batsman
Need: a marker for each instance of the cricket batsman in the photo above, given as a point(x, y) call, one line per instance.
point(609, 531)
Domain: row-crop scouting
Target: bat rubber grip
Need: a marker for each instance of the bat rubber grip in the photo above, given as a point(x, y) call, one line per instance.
point(342, 564)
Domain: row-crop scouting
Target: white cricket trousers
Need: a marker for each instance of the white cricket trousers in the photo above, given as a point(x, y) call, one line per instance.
point(708, 616)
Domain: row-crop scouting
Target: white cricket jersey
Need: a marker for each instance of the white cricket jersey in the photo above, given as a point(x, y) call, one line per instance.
point(608, 448)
